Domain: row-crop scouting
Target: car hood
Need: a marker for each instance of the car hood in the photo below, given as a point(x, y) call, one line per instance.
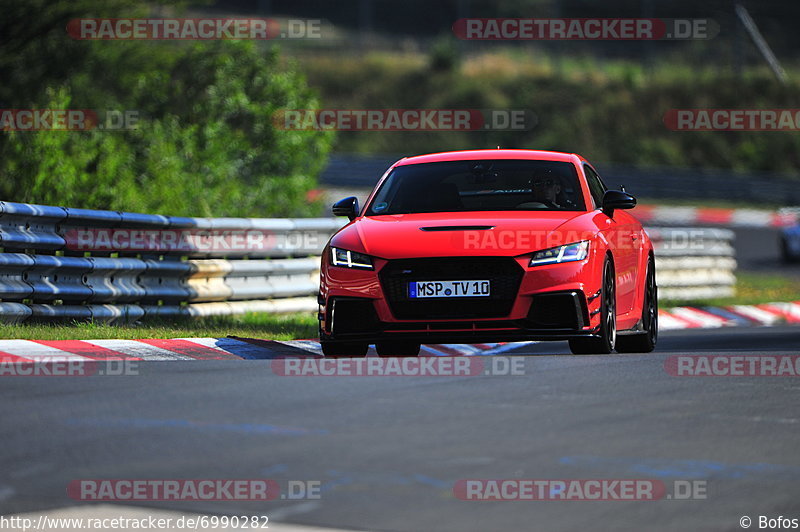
point(463, 234)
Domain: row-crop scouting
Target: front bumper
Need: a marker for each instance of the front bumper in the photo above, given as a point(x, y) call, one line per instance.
point(553, 302)
point(551, 316)
point(463, 337)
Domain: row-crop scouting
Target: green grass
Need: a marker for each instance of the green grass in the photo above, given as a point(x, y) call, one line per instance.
point(751, 289)
point(274, 327)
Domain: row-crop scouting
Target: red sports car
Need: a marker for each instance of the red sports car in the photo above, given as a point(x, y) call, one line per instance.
point(488, 246)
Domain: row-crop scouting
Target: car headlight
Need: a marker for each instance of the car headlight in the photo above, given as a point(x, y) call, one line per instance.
point(350, 259)
point(567, 253)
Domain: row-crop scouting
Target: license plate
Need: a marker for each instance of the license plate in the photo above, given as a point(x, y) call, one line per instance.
point(420, 289)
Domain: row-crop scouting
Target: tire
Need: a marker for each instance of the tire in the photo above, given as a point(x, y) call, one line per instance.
point(644, 342)
point(397, 349)
point(605, 342)
point(345, 349)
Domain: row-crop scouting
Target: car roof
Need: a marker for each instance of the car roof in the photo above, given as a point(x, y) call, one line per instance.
point(469, 155)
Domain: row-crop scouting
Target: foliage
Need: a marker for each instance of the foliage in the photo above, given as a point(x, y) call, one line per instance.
point(608, 112)
point(205, 143)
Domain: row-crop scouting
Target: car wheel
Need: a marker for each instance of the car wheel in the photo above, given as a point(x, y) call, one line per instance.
point(646, 341)
point(345, 349)
point(397, 349)
point(604, 343)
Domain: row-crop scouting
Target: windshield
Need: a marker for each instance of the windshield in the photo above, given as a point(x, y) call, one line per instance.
point(503, 185)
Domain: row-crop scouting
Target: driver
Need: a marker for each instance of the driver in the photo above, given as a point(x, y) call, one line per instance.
point(546, 189)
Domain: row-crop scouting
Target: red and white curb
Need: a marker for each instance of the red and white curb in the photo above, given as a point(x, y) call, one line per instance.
point(766, 314)
point(660, 214)
point(241, 348)
point(22, 351)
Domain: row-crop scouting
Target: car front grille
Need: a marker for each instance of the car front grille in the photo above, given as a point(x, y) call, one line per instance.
point(503, 274)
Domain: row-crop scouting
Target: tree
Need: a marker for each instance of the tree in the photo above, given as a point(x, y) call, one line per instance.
point(205, 143)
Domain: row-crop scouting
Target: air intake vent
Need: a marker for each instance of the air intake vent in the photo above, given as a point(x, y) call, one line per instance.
point(503, 274)
point(457, 228)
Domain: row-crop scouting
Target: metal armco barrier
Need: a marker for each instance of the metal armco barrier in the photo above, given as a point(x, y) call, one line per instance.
point(269, 265)
point(694, 263)
point(46, 275)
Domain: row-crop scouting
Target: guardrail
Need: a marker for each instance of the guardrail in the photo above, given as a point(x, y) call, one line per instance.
point(118, 267)
point(694, 263)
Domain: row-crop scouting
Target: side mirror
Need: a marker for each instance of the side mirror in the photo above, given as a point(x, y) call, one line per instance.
point(616, 199)
point(346, 207)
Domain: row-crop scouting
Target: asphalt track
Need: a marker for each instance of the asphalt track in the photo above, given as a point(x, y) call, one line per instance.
point(387, 451)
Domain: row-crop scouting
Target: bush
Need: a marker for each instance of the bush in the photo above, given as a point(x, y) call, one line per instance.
point(205, 143)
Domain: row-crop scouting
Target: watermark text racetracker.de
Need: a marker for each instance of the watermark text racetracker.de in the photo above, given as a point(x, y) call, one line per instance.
point(192, 240)
point(424, 366)
point(732, 119)
point(207, 489)
point(584, 29)
point(688, 240)
point(733, 365)
point(405, 119)
point(202, 29)
point(68, 119)
point(68, 368)
point(600, 489)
